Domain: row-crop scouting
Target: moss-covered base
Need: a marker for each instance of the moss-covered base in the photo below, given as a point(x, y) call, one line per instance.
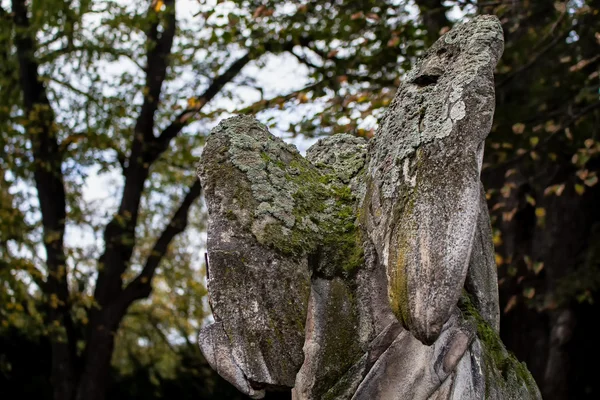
point(505, 376)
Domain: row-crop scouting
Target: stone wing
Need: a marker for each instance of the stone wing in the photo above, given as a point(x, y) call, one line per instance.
point(423, 196)
point(258, 277)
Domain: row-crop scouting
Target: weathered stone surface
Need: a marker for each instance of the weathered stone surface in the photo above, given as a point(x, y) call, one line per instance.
point(482, 279)
point(424, 170)
point(258, 277)
point(365, 270)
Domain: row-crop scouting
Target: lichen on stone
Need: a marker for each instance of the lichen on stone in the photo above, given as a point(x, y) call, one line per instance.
point(341, 274)
point(501, 368)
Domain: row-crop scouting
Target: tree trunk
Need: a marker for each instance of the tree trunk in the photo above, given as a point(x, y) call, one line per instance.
point(100, 344)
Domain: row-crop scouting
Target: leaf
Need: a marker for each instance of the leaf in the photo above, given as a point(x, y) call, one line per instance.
point(499, 259)
point(534, 141)
point(509, 215)
point(259, 11)
point(554, 189)
point(568, 134)
point(518, 128)
point(302, 97)
point(560, 6)
point(565, 59)
point(510, 304)
point(540, 212)
point(582, 174)
point(530, 199)
point(497, 238)
point(158, 5)
point(579, 189)
point(591, 181)
point(529, 292)
point(393, 42)
point(538, 267)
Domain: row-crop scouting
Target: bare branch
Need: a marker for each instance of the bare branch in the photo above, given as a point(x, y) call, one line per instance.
point(156, 68)
point(304, 60)
point(141, 287)
point(433, 14)
point(533, 59)
point(186, 115)
point(99, 49)
point(262, 104)
point(119, 234)
point(564, 125)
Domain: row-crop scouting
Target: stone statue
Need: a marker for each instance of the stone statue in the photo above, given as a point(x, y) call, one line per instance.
point(365, 270)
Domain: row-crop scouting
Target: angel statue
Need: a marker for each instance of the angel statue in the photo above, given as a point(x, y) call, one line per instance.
point(366, 269)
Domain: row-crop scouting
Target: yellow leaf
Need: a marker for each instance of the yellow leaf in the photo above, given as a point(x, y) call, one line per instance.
point(534, 140)
point(497, 238)
point(192, 101)
point(302, 97)
point(158, 5)
point(499, 259)
point(530, 200)
point(540, 212)
point(580, 189)
point(518, 128)
point(538, 267)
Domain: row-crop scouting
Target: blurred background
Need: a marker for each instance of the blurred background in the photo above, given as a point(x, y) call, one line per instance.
point(104, 109)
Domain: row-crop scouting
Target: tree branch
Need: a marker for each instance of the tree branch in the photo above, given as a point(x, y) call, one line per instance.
point(141, 286)
point(156, 67)
point(47, 169)
point(51, 56)
point(433, 14)
point(119, 235)
point(186, 115)
point(534, 59)
point(564, 125)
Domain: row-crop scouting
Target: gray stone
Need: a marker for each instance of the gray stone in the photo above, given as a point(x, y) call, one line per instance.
point(365, 270)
